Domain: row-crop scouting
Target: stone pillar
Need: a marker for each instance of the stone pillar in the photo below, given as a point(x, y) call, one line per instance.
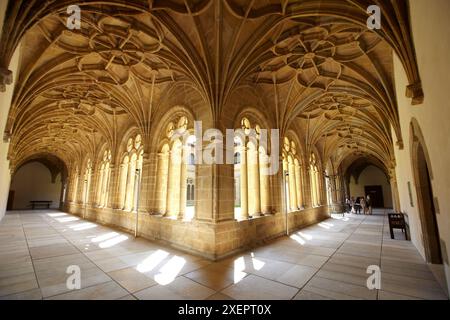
point(309, 201)
point(148, 185)
point(395, 195)
point(147, 182)
point(122, 185)
point(63, 194)
point(173, 193)
point(105, 187)
point(257, 184)
point(73, 187)
point(162, 182)
point(225, 192)
point(292, 185)
point(321, 188)
point(183, 187)
point(131, 179)
point(244, 183)
point(254, 204)
point(214, 192)
point(298, 182)
point(81, 183)
point(277, 189)
point(114, 188)
point(264, 182)
point(92, 186)
point(98, 187)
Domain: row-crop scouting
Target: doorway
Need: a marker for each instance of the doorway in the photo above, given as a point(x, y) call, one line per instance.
point(376, 195)
point(427, 209)
point(425, 197)
point(10, 203)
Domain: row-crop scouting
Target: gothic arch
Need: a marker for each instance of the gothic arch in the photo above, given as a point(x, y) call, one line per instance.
point(423, 178)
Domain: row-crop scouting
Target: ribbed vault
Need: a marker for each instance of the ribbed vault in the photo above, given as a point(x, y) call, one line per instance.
point(314, 65)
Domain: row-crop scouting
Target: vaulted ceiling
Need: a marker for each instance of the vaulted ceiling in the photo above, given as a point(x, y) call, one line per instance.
point(313, 66)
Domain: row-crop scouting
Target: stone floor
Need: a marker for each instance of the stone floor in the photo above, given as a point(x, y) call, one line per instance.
point(325, 261)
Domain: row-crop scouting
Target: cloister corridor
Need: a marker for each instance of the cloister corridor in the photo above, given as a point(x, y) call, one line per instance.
point(324, 261)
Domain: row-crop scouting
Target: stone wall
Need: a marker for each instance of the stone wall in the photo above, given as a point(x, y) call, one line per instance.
point(210, 240)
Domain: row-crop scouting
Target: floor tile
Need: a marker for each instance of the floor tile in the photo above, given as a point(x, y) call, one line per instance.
point(328, 260)
point(180, 289)
point(257, 288)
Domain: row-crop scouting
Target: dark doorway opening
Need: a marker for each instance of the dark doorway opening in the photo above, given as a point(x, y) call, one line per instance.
point(376, 195)
point(427, 209)
point(10, 203)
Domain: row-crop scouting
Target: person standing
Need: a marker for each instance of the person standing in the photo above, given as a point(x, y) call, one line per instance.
point(362, 202)
point(352, 205)
point(348, 205)
point(369, 204)
point(358, 205)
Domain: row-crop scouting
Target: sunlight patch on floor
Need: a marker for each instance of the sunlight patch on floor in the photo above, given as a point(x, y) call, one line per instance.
point(113, 241)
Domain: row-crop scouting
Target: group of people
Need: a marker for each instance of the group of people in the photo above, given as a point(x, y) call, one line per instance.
point(358, 204)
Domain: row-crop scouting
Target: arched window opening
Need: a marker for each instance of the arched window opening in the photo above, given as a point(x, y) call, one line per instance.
point(329, 187)
point(293, 176)
point(190, 178)
point(175, 193)
point(103, 179)
point(251, 181)
point(315, 181)
point(87, 181)
point(130, 174)
point(237, 177)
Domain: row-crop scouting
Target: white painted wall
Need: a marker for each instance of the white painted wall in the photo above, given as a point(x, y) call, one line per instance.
point(431, 33)
point(33, 182)
point(372, 176)
point(5, 103)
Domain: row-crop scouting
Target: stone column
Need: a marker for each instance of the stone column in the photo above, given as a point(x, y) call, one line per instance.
point(148, 201)
point(73, 187)
point(81, 183)
point(214, 192)
point(105, 187)
point(225, 192)
point(244, 183)
point(98, 185)
point(92, 186)
point(252, 180)
point(257, 191)
point(395, 195)
point(292, 186)
point(123, 182)
point(298, 182)
point(277, 189)
point(147, 183)
point(264, 182)
point(131, 178)
point(173, 193)
point(162, 182)
point(308, 198)
point(183, 182)
point(63, 194)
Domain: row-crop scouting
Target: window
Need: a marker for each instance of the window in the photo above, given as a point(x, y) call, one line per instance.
point(103, 179)
point(130, 174)
point(293, 176)
point(315, 182)
point(87, 181)
point(329, 188)
point(175, 192)
point(251, 184)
